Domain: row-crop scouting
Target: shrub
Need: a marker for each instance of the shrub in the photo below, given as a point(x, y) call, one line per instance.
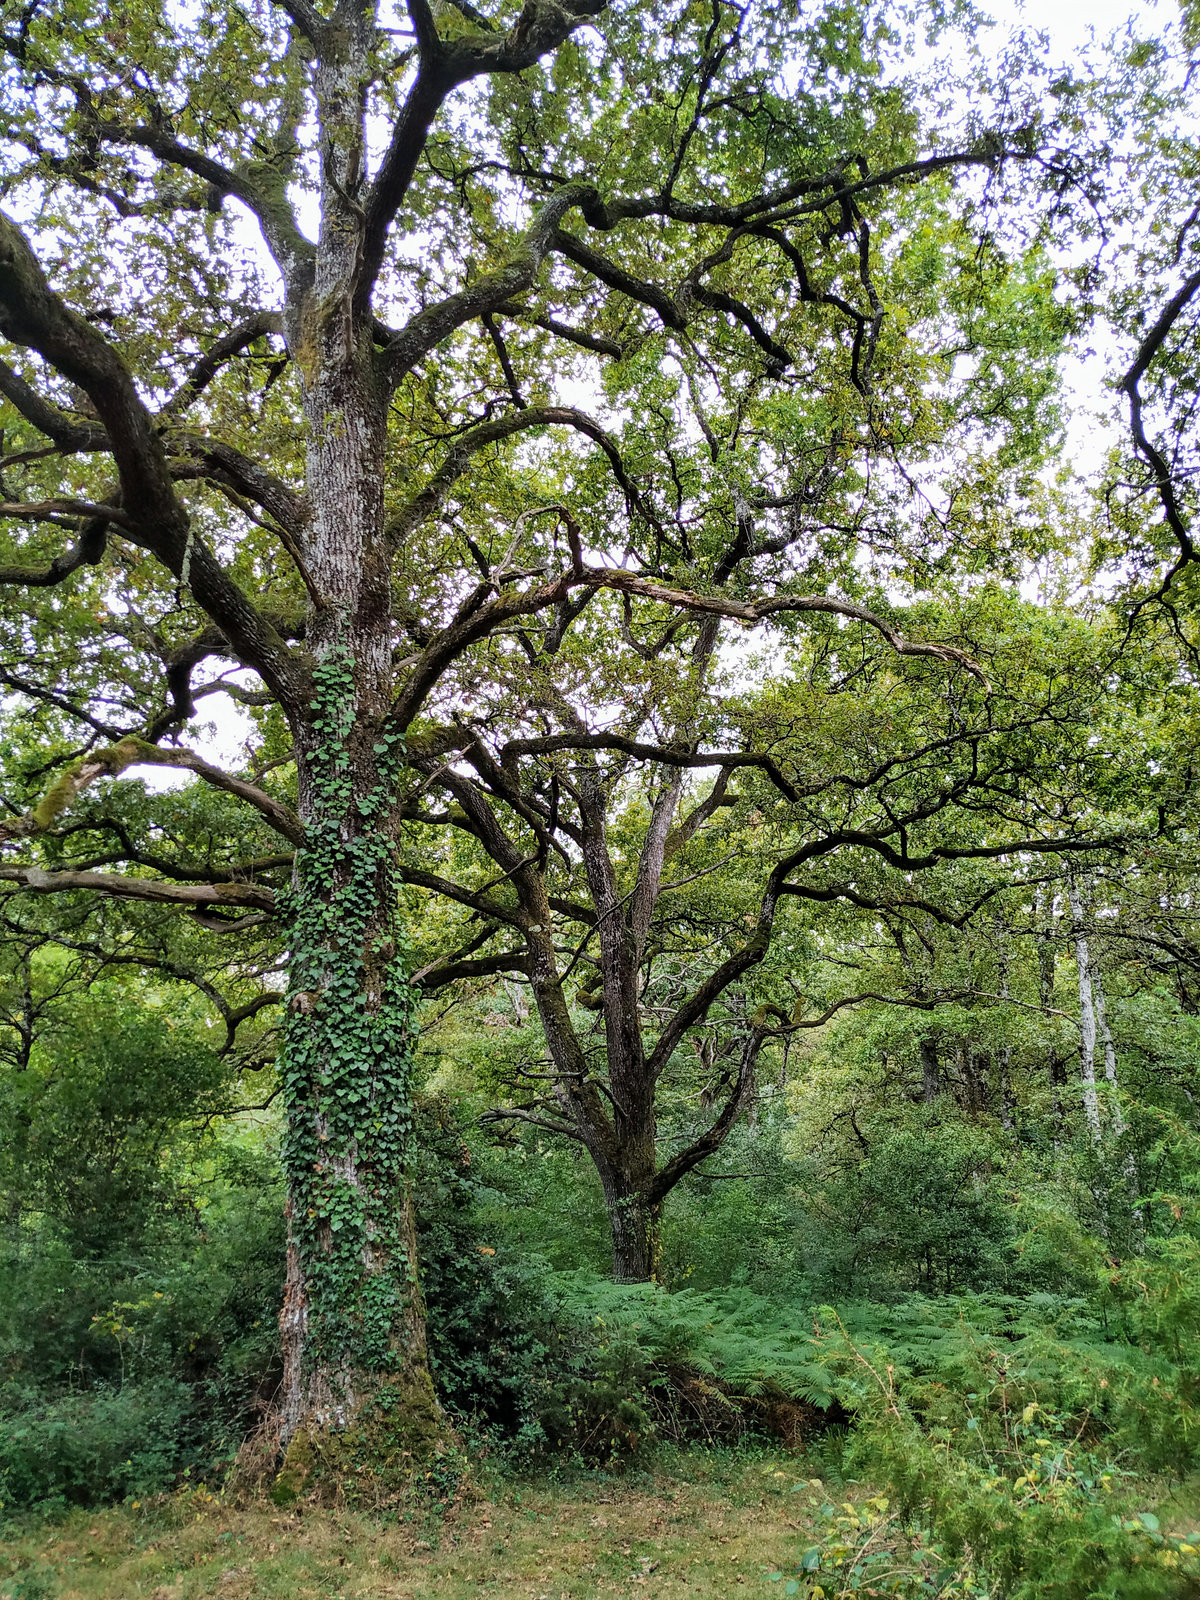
point(1025, 1501)
point(87, 1449)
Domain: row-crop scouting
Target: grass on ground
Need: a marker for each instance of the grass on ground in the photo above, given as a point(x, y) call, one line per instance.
point(710, 1527)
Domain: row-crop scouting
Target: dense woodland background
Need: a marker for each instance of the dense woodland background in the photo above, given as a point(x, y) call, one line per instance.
point(770, 620)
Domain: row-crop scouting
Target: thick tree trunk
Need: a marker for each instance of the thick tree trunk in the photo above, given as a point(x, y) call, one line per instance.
point(357, 1405)
point(635, 1238)
point(358, 1408)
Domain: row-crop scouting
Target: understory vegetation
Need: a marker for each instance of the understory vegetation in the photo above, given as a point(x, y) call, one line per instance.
point(989, 1400)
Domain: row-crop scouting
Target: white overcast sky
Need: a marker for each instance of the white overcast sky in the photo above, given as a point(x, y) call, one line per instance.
point(1071, 23)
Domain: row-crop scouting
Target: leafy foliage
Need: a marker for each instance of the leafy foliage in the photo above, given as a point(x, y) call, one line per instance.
point(139, 1265)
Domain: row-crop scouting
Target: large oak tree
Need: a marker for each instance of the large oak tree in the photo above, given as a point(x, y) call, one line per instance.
point(357, 361)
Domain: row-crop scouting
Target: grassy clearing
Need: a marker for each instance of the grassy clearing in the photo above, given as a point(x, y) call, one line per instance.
point(709, 1528)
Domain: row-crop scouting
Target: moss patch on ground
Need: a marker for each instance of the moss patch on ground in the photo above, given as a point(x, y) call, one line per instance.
point(707, 1528)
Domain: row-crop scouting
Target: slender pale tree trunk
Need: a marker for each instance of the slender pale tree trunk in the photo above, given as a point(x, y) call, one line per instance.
point(1108, 1045)
point(1087, 1012)
point(1004, 1053)
point(1045, 914)
point(931, 1072)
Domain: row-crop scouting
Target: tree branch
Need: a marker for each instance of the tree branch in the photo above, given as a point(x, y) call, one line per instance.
point(477, 899)
point(231, 344)
point(429, 327)
point(199, 895)
point(294, 254)
point(87, 551)
point(715, 1135)
point(32, 315)
point(430, 499)
point(551, 1124)
point(433, 978)
point(1129, 385)
point(541, 26)
point(758, 611)
point(131, 752)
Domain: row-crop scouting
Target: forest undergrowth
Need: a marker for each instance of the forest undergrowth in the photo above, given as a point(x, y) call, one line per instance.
point(1001, 1439)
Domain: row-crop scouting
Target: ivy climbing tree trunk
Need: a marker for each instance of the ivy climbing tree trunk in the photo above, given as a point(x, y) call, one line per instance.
point(352, 1325)
point(357, 1387)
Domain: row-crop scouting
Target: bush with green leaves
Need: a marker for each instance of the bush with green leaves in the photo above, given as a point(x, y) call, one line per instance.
point(118, 1374)
point(491, 1319)
point(1009, 1441)
point(140, 1268)
point(96, 1129)
point(90, 1447)
point(920, 1205)
point(1053, 1541)
point(1035, 1515)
